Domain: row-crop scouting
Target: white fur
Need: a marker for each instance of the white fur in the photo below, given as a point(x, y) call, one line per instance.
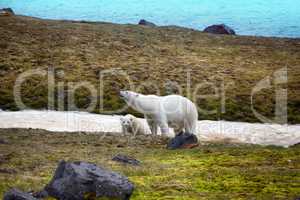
point(132, 125)
point(173, 111)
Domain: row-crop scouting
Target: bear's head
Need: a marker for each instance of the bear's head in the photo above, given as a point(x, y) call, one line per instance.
point(126, 122)
point(128, 96)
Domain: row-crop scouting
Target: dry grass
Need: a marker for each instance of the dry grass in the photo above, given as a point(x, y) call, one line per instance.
point(82, 50)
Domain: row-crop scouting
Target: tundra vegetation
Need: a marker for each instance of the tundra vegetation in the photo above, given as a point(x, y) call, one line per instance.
point(152, 57)
point(211, 171)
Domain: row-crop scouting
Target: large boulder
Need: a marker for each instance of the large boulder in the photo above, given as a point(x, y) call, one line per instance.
point(6, 12)
point(76, 180)
point(219, 29)
point(146, 23)
point(15, 194)
point(183, 141)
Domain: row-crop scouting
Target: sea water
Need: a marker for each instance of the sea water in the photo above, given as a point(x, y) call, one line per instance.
point(279, 18)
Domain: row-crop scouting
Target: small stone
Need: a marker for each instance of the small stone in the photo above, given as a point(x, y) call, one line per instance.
point(183, 141)
point(7, 171)
point(6, 12)
point(146, 23)
point(3, 141)
point(41, 194)
point(219, 29)
point(15, 194)
point(126, 160)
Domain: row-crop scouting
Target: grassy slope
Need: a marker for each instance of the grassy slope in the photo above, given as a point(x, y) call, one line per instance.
point(211, 171)
point(82, 50)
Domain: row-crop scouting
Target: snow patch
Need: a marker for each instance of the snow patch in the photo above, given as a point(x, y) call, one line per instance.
point(254, 133)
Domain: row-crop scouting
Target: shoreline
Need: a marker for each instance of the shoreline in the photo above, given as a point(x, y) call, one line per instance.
point(171, 26)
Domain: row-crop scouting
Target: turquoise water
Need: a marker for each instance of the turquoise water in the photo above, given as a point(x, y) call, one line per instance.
point(280, 18)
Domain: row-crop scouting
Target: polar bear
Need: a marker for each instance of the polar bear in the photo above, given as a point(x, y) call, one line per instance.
point(172, 111)
point(132, 125)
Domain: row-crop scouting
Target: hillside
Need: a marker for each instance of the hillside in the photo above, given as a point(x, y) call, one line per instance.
point(79, 51)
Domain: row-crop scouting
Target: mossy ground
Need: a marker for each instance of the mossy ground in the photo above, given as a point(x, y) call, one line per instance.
point(152, 57)
point(210, 171)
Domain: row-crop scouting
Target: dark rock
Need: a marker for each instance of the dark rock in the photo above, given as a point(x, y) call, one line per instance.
point(296, 145)
point(6, 12)
point(127, 160)
point(183, 141)
point(41, 194)
point(5, 157)
point(120, 145)
point(3, 141)
point(219, 29)
point(146, 23)
point(74, 180)
point(7, 171)
point(15, 194)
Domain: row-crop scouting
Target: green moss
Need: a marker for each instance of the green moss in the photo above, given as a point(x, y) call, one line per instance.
point(211, 171)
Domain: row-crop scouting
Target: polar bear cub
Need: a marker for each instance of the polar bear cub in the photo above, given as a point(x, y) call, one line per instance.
point(134, 126)
point(173, 111)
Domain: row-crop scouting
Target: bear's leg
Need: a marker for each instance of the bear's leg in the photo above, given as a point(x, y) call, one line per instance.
point(138, 128)
point(153, 126)
point(162, 122)
point(124, 130)
point(164, 128)
point(190, 126)
point(178, 128)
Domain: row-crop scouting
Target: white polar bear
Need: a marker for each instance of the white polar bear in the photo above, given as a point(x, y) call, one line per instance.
point(132, 125)
point(175, 111)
